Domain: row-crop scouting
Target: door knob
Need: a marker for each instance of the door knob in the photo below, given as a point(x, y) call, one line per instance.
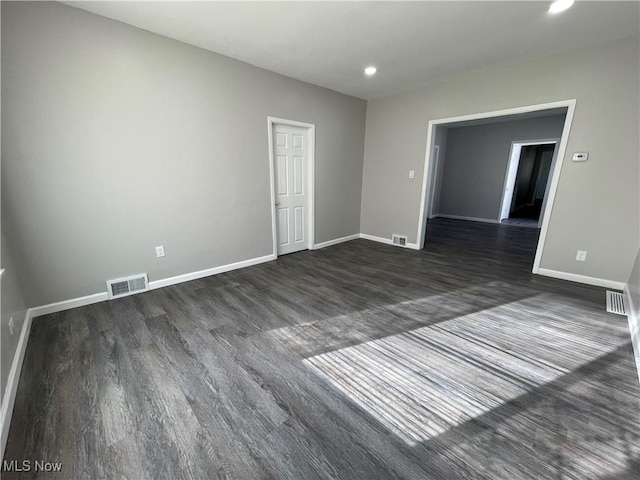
point(277, 203)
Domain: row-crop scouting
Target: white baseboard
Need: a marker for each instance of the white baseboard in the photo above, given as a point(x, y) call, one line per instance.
point(373, 238)
point(336, 241)
point(68, 304)
point(387, 241)
point(9, 394)
point(574, 277)
point(165, 282)
point(461, 217)
point(634, 326)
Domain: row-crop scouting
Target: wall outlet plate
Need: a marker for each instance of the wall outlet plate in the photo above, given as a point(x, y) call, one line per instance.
point(581, 256)
point(160, 251)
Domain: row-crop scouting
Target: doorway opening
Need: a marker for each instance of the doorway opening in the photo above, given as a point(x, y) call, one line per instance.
point(292, 171)
point(527, 182)
point(487, 197)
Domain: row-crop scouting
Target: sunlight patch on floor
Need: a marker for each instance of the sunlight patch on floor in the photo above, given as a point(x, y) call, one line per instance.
point(423, 382)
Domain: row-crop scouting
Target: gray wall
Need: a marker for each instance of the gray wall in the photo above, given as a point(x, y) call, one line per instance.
point(476, 163)
point(117, 140)
point(12, 305)
point(597, 204)
point(634, 318)
point(634, 286)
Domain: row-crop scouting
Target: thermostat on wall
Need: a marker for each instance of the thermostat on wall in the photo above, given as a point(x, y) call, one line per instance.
point(580, 156)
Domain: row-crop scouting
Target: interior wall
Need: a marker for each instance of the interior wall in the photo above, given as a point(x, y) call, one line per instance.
point(633, 286)
point(597, 205)
point(117, 140)
point(476, 162)
point(13, 305)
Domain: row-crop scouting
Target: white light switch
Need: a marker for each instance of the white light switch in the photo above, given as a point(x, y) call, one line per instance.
point(160, 251)
point(580, 156)
point(412, 173)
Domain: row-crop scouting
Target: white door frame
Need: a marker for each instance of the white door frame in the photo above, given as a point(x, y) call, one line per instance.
point(512, 171)
point(311, 178)
point(434, 178)
point(570, 105)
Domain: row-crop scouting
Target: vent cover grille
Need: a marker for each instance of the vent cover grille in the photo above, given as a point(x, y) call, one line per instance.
point(615, 303)
point(399, 240)
point(121, 287)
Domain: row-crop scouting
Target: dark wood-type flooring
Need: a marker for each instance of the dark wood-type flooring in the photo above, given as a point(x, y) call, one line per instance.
point(358, 361)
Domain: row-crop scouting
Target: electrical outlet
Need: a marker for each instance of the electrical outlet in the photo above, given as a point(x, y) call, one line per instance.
point(160, 251)
point(581, 256)
point(412, 174)
point(11, 325)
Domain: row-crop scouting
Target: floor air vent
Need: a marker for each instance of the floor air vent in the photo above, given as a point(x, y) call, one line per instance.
point(615, 303)
point(399, 240)
point(121, 287)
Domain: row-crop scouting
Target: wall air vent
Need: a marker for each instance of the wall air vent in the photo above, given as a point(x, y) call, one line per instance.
point(399, 240)
point(615, 303)
point(121, 287)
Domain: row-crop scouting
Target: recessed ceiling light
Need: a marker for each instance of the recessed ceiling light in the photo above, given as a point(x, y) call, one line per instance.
point(560, 6)
point(370, 71)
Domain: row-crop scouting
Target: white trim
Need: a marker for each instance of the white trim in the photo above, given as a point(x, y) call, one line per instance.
point(165, 282)
point(462, 217)
point(272, 183)
point(434, 179)
point(336, 241)
point(555, 178)
point(505, 112)
point(512, 171)
point(271, 121)
point(634, 327)
point(388, 241)
point(9, 394)
point(373, 238)
point(68, 304)
point(2, 272)
point(574, 277)
point(427, 183)
point(555, 175)
point(186, 277)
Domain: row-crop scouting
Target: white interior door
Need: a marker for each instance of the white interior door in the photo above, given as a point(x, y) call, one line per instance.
point(291, 170)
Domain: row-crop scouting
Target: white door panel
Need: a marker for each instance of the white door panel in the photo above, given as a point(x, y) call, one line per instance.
point(298, 175)
point(283, 226)
point(282, 185)
point(291, 180)
point(298, 224)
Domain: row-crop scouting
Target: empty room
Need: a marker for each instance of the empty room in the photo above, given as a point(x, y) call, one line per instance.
point(320, 240)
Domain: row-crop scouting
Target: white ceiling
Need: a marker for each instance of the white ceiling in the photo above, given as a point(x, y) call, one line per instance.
point(411, 43)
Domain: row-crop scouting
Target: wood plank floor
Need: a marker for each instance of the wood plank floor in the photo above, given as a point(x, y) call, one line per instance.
point(359, 361)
